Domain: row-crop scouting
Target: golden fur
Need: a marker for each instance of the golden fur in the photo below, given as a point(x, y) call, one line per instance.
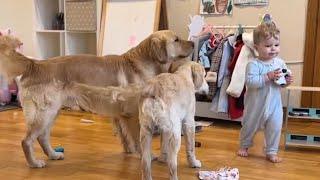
point(13, 42)
point(42, 82)
point(120, 103)
point(161, 94)
point(9, 39)
point(168, 101)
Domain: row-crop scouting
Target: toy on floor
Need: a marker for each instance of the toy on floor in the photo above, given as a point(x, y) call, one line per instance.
point(226, 173)
point(59, 149)
point(282, 80)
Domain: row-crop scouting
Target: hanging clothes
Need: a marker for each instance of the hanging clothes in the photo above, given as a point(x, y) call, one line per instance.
point(198, 42)
point(234, 111)
point(220, 102)
point(216, 57)
point(204, 53)
point(246, 55)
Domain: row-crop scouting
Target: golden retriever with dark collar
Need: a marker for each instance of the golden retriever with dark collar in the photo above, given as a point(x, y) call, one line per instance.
point(42, 98)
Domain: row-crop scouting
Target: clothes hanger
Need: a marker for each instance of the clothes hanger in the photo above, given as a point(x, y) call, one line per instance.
point(218, 36)
point(240, 29)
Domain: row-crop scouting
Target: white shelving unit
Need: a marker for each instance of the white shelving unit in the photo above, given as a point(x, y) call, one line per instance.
point(50, 42)
point(298, 139)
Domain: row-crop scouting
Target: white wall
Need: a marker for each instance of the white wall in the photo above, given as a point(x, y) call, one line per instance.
point(18, 15)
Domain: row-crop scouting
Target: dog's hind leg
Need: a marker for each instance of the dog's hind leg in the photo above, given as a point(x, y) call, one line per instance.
point(133, 132)
point(126, 139)
point(173, 142)
point(35, 127)
point(145, 142)
point(163, 147)
point(188, 126)
point(44, 140)
point(39, 117)
point(27, 145)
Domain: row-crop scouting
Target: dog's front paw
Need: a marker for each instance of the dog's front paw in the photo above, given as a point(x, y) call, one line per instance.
point(56, 156)
point(195, 164)
point(38, 164)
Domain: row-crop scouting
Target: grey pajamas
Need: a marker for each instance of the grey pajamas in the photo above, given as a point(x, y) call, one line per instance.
point(263, 106)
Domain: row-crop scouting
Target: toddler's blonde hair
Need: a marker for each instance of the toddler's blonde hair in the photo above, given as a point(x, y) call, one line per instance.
point(264, 32)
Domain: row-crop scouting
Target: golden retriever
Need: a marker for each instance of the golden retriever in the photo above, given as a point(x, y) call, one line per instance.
point(168, 101)
point(41, 96)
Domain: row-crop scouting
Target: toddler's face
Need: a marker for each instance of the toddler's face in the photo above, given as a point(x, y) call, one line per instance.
point(269, 48)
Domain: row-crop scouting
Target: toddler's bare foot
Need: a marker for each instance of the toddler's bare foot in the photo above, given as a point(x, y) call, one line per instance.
point(243, 152)
point(273, 158)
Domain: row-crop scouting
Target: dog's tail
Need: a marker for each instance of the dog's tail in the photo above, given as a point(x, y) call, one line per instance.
point(109, 101)
point(93, 99)
point(12, 63)
point(152, 106)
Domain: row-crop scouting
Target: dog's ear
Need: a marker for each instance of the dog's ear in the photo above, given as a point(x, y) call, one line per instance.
point(5, 49)
point(158, 50)
point(197, 75)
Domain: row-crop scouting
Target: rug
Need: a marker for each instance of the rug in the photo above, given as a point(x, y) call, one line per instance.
point(9, 106)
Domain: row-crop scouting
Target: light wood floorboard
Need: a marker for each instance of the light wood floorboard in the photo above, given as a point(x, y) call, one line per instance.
point(93, 152)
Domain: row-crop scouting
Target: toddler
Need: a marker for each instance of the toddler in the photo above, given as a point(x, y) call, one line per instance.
point(262, 103)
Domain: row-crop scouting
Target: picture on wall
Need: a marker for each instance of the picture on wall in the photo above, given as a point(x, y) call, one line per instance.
point(222, 7)
point(251, 2)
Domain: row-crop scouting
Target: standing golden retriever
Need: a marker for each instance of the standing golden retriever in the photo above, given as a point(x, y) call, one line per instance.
point(168, 101)
point(41, 96)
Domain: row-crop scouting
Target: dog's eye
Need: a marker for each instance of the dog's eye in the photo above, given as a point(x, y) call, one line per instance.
point(176, 40)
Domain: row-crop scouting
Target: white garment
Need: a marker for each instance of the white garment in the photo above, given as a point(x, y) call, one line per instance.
point(247, 54)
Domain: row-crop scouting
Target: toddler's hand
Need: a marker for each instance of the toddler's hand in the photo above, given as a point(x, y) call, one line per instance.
point(289, 79)
point(274, 75)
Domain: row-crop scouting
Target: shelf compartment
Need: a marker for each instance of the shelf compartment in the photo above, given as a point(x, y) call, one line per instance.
point(81, 43)
point(49, 45)
point(45, 13)
point(50, 31)
point(313, 113)
point(302, 140)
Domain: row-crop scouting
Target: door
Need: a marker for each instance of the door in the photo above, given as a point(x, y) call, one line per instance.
point(311, 63)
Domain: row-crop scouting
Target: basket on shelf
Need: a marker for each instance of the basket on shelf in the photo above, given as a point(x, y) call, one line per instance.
point(81, 15)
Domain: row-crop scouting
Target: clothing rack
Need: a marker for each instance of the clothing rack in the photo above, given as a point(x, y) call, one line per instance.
point(234, 27)
point(203, 108)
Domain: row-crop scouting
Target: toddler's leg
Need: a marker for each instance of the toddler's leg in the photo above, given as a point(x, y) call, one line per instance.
point(272, 135)
point(247, 132)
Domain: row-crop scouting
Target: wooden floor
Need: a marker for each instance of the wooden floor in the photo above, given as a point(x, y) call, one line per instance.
point(93, 152)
